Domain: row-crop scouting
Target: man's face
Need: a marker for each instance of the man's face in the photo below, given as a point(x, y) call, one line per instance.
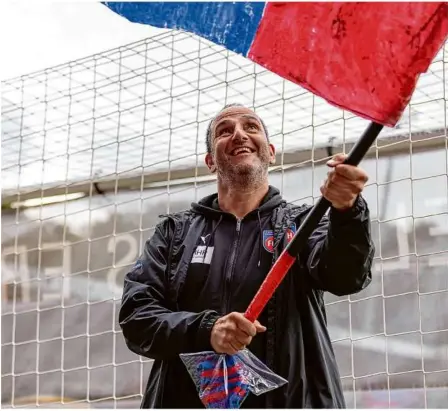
point(241, 153)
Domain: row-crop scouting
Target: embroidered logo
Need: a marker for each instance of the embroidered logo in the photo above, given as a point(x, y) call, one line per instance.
point(289, 234)
point(268, 240)
point(268, 237)
point(204, 238)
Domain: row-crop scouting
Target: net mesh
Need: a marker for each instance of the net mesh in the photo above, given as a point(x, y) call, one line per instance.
point(93, 150)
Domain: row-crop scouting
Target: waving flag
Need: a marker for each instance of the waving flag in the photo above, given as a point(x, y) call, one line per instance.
point(362, 57)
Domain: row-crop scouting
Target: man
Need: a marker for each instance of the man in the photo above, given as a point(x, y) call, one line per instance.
point(202, 267)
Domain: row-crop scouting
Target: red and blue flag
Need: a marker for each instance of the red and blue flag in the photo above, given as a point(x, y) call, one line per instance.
point(362, 57)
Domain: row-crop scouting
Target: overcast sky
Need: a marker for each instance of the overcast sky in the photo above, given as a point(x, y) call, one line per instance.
point(36, 35)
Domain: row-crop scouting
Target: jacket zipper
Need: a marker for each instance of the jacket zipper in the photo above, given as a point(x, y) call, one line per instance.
point(232, 259)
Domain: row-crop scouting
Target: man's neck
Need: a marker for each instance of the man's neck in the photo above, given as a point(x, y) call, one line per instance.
point(241, 202)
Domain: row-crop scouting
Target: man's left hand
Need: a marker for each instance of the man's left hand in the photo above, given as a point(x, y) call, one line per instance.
point(344, 183)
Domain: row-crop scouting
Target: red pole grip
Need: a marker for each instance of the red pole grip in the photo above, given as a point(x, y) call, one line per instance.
point(270, 284)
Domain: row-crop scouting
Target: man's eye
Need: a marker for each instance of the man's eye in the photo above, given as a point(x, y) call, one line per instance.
point(252, 127)
point(224, 131)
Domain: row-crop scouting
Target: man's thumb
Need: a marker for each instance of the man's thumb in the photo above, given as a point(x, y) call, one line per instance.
point(260, 328)
point(337, 159)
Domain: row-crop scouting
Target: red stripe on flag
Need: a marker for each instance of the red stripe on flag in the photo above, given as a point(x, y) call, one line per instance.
point(221, 395)
point(215, 384)
point(363, 57)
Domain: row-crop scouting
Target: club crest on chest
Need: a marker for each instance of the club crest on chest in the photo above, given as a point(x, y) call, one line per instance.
point(268, 237)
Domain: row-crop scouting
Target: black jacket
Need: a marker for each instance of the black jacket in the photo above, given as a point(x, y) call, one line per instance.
point(177, 290)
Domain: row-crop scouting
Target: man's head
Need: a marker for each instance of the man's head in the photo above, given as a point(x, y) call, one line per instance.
point(238, 147)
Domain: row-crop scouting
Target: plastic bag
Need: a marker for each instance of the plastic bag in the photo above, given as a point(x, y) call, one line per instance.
point(224, 381)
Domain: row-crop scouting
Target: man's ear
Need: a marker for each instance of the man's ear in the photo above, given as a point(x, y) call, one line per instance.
point(209, 161)
point(271, 154)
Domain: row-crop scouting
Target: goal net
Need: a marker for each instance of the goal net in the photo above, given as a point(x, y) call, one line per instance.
point(95, 149)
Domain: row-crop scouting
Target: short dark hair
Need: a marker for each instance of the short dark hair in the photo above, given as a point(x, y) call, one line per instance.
point(208, 136)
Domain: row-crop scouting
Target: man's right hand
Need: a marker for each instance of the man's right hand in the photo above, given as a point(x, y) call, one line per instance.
point(233, 333)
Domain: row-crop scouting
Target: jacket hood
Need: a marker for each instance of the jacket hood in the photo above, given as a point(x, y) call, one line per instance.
point(209, 205)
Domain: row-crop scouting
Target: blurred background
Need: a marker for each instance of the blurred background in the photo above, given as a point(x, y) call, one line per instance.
point(94, 150)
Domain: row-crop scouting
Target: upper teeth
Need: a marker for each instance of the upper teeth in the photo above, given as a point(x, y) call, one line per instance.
point(241, 150)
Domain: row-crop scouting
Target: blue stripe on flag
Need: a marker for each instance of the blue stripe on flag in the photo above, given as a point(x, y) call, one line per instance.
point(232, 25)
point(208, 365)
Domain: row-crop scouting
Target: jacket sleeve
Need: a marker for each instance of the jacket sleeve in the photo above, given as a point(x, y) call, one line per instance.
point(151, 329)
point(340, 251)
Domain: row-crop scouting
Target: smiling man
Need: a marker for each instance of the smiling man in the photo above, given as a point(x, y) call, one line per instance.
point(202, 267)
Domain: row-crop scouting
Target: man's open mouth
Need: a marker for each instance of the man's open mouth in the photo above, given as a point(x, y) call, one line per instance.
point(241, 150)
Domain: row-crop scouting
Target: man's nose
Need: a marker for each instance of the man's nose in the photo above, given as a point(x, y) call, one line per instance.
point(239, 134)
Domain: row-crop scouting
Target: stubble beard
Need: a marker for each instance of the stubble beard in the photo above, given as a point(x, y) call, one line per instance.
point(243, 176)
